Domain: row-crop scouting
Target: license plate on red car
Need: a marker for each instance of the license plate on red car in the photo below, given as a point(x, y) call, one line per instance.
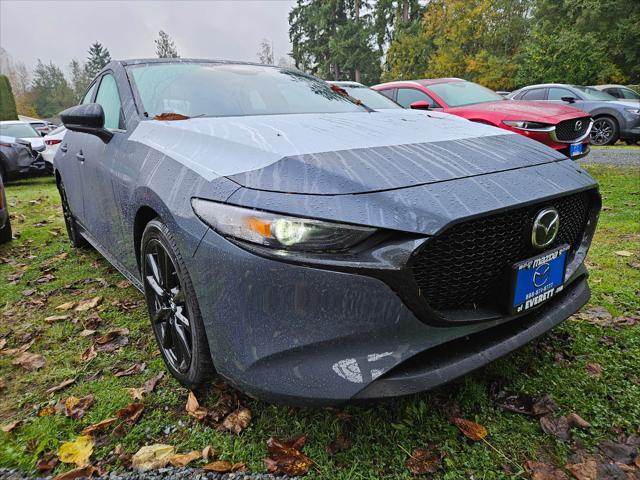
point(575, 149)
point(538, 279)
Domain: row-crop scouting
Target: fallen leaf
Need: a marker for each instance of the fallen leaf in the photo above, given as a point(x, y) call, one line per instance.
point(100, 426)
point(56, 318)
point(596, 315)
point(66, 306)
point(74, 407)
point(150, 385)
point(82, 472)
point(524, 403)
point(134, 369)
point(46, 411)
point(556, 426)
point(112, 340)
point(340, 444)
point(20, 349)
point(152, 456)
point(618, 452)
point(89, 354)
point(286, 457)
point(194, 409)
point(77, 452)
point(593, 370)
point(131, 413)
point(86, 333)
point(61, 386)
point(46, 463)
point(224, 406)
point(182, 460)
point(29, 361)
point(219, 466)
point(575, 420)
point(3, 343)
point(423, 461)
point(10, 427)
point(208, 452)
point(89, 304)
point(543, 471)
point(472, 430)
point(237, 421)
point(624, 253)
point(123, 284)
point(586, 470)
point(136, 393)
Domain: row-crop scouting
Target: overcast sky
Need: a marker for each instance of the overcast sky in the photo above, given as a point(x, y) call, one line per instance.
point(62, 30)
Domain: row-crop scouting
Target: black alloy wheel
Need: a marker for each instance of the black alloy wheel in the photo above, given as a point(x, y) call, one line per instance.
point(70, 223)
point(604, 131)
point(174, 312)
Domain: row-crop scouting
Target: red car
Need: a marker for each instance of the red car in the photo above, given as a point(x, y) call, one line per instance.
point(561, 127)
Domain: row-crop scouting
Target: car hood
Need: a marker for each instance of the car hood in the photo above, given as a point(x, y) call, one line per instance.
point(524, 110)
point(343, 153)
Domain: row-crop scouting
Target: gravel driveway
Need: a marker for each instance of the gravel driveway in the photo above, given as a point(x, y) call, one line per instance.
point(163, 473)
point(613, 156)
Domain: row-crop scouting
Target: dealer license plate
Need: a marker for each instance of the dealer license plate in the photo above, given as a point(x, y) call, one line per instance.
point(575, 149)
point(538, 279)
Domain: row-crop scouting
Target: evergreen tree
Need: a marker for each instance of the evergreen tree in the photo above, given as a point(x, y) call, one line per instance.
point(51, 92)
point(7, 101)
point(98, 57)
point(165, 48)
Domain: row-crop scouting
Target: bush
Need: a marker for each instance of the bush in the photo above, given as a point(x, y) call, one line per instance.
point(7, 101)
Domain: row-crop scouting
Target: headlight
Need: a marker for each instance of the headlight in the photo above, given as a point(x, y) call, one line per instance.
point(635, 111)
point(278, 231)
point(530, 126)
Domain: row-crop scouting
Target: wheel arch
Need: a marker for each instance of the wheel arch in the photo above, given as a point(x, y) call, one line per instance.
point(143, 216)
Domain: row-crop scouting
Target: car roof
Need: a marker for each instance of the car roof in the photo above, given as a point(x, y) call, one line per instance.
point(12, 122)
point(545, 85)
point(425, 81)
point(138, 61)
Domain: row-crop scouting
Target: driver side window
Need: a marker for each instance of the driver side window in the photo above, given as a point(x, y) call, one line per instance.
point(557, 93)
point(109, 99)
point(406, 96)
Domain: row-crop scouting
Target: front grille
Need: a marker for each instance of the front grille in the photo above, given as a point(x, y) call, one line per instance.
point(467, 267)
point(566, 131)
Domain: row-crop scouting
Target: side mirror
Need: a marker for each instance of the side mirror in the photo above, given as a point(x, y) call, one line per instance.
point(42, 134)
point(568, 99)
point(420, 105)
point(87, 118)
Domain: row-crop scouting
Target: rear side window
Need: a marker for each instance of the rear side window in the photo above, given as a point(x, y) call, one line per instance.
point(388, 92)
point(406, 96)
point(534, 94)
point(109, 99)
point(88, 97)
point(556, 93)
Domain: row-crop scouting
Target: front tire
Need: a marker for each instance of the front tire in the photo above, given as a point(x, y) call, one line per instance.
point(73, 232)
point(604, 131)
point(173, 307)
point(5, 233)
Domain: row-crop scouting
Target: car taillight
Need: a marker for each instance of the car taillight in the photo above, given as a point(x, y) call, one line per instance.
point(52, 142)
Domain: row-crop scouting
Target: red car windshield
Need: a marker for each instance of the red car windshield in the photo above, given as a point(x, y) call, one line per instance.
point(457, 94)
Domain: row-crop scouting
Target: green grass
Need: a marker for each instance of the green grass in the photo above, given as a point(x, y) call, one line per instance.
point(379, 433)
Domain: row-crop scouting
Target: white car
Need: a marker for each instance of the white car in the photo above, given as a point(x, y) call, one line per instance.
point(52, 143)
point(24, 131)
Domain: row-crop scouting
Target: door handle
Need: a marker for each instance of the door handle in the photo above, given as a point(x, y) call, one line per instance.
point(63, 147)
point(80, 156)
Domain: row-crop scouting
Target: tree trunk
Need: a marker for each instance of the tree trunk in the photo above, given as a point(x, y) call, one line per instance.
point(357, 15)
point(405, 11)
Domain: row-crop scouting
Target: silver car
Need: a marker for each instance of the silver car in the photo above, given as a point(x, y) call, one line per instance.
point(614, 118)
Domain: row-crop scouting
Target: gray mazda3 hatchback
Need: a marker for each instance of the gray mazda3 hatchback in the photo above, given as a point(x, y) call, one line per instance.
point(309, 249)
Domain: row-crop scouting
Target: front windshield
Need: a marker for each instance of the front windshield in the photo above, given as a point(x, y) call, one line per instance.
point(589, 93)
point(456, 94)
point(370, 98)
point(18, 130)
point(223, 90)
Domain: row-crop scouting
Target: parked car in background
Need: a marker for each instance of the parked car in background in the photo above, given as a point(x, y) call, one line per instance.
point(41, 126)
point(618, 91)
point(613, 118)
point(366, 95)
point(311, 250)
point(502, 93)
point(52, 142)
point(565, 129)
point(5, 221)
point(17, 158)
point(24, 131)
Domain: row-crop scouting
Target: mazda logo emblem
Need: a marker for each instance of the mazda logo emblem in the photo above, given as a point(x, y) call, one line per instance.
point(545, 228)
point(578, 126)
